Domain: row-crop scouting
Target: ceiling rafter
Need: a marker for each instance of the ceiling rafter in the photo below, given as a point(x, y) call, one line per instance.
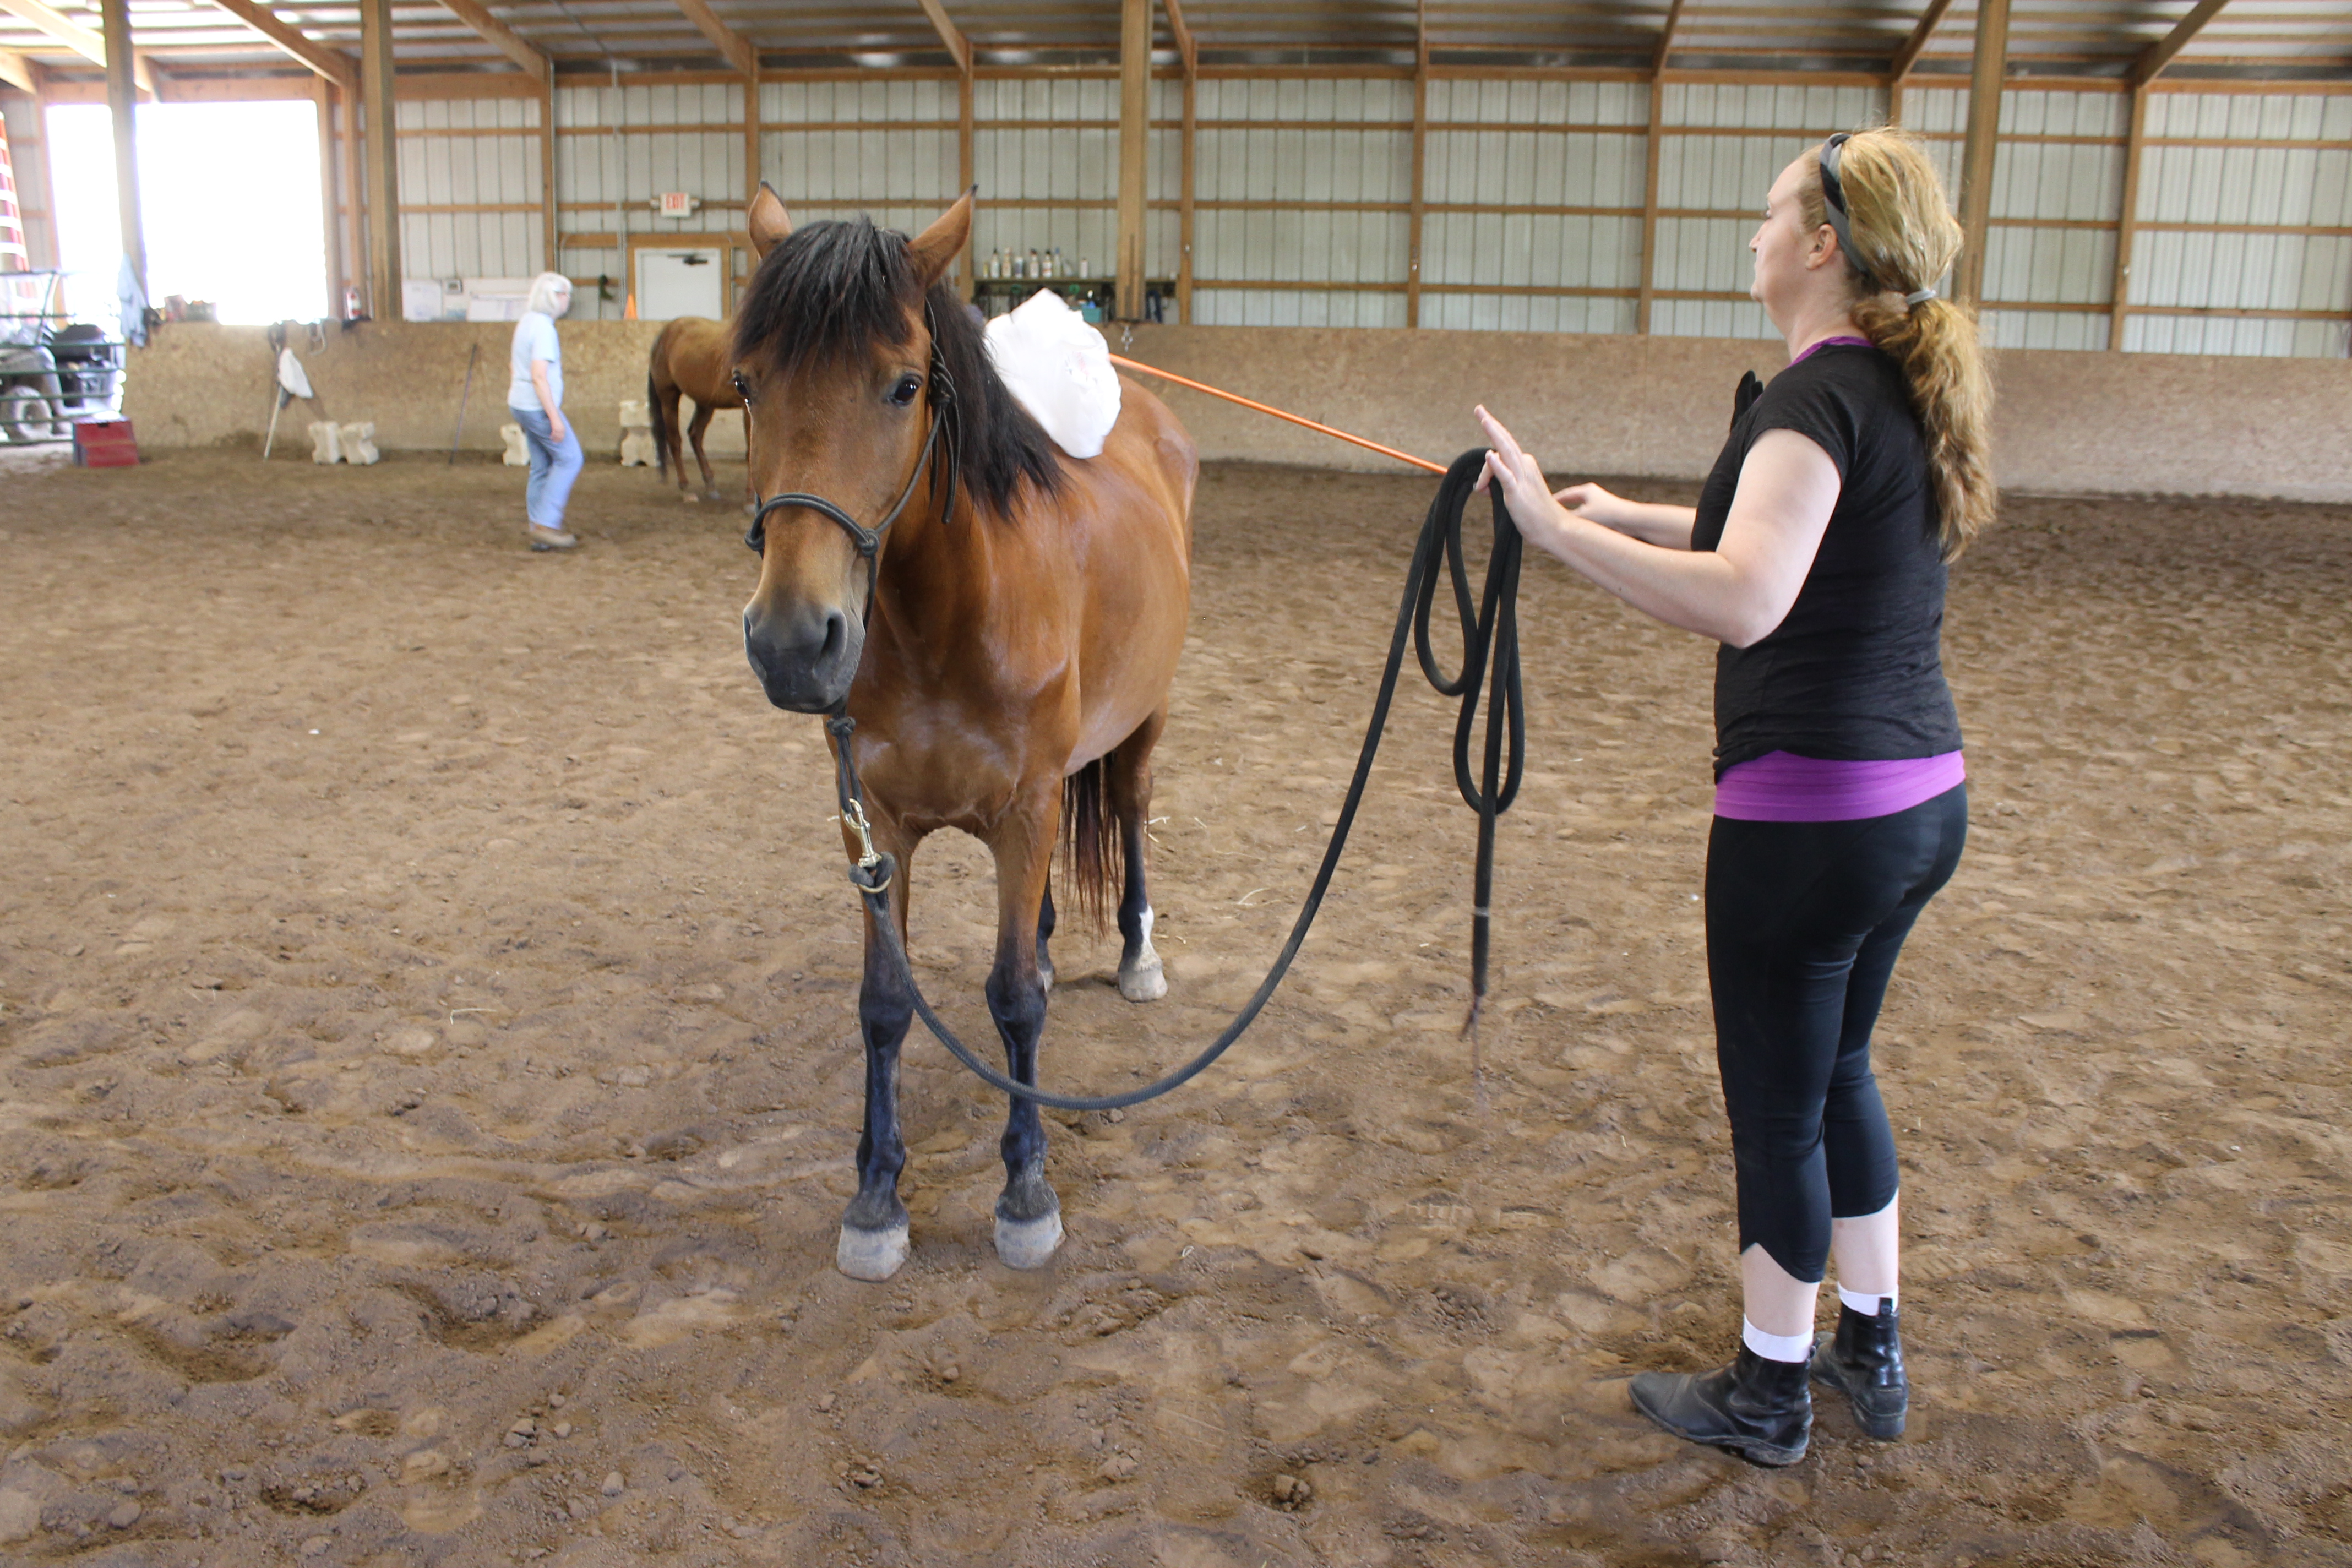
point(334, 64)
point(732, 47)
point(18, 71)
point(89, 46)
point(949, 33)
point(1187, 49)
point(1917, 44)
point(2158, 55)
point(1666, 38)
point(499, 36)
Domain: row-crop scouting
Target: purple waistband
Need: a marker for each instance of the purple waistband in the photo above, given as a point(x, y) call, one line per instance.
point(1780, 786)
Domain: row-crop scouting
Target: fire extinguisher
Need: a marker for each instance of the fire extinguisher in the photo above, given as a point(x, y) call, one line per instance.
point(351, 303)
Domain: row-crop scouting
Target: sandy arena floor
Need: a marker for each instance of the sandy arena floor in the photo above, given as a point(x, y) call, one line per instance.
point(428, 1076)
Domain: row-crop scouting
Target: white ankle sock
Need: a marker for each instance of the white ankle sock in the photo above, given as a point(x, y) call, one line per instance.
point(1775, 1347)
point(1867, 1305)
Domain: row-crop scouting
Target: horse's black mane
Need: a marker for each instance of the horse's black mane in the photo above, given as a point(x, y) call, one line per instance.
point(833, 289)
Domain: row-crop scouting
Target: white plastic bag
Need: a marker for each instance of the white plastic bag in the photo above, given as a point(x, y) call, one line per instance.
point(1059, 369)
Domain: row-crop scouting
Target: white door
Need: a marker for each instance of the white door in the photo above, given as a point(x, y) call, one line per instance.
point(686, 281)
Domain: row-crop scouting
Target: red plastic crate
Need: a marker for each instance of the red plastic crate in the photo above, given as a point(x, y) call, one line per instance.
point(105, 444)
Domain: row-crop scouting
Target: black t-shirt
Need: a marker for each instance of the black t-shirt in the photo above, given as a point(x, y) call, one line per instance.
point(1854, 672)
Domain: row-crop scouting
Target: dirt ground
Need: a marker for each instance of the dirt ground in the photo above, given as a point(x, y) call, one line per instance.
point(428, 1075)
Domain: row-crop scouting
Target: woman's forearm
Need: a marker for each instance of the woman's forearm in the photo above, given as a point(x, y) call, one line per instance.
point(546, 393)
point(1655, 523)
point(1697, 591)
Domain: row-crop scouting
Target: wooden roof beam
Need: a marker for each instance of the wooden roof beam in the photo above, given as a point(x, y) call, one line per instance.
point(18, 71)
point(77, 37)
point(2158, 55)
point(1186, 48)
point(949, 33)
point(332, 64)
point(498, 35)
point(1917, 44)
point(1666, 38)
point(732, 47)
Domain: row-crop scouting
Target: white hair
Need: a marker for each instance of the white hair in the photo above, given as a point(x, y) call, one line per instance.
point(548, 292)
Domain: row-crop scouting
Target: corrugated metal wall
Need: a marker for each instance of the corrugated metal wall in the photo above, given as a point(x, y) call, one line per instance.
point(469, 187)
point(616, 150)
point(28, 155)
point(1532, 191)
point(2293, 167)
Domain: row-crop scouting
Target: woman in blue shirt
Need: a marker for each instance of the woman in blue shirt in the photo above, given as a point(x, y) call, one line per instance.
point(535, 397)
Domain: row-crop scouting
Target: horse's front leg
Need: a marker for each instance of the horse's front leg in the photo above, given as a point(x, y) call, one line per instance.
point(874, 1231)
point(1141, 977)
point(702, 414)
point(1028, 1214)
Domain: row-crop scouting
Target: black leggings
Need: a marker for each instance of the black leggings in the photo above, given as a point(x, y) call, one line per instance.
point(1804, 923)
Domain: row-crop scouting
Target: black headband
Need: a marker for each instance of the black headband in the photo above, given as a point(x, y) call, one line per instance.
point(1833, 200)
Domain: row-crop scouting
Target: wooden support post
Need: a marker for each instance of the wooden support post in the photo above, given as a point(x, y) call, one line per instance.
point(550, 248)
point(2127, 221)
point(1417, 217)
point(1134, 149)
point(1184, 206)
point(1188, 50)
point(1977, 153)
point(1656, 149)
point(382, 161)
point(122, 101)
point(322, 94)
point(966, 163)
point(354, 246)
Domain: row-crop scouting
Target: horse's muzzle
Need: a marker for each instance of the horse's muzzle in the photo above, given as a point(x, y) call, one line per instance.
point(806, 661)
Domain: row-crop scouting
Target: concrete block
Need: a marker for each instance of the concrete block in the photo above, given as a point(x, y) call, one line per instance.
point(359, 442)
point(517, 449)
point(636, 413)
point(326, 441)
point(638, 448)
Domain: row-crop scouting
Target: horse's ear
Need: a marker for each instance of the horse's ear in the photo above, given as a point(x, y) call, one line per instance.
point(770, 224)
point(935, 249)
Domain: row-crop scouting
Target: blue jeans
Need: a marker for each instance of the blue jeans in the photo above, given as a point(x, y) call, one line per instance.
point(554, 465)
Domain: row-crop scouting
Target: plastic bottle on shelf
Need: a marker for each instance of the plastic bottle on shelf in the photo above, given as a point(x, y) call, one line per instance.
point(1086, 267)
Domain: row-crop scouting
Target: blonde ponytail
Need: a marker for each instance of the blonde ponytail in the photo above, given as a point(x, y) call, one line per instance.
point(1905, 240)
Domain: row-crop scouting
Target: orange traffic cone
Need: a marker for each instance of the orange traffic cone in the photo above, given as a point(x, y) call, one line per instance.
point(629, 310)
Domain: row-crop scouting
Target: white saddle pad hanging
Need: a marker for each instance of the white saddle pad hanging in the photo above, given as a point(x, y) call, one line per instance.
point(1059, 369)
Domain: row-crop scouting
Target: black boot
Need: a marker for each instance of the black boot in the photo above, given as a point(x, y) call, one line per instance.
point(1865, 1358)
point(1760, 1410)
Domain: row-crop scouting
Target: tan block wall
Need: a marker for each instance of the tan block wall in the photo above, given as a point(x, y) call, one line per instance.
point(2073, 423)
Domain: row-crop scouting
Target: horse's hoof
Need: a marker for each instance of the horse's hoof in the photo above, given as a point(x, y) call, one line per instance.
point(690, 497)
point(1028, 1243)
point(874, 1254)
point(1145, 980)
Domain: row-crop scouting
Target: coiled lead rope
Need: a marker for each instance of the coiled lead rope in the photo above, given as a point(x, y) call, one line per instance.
point(1490, 638)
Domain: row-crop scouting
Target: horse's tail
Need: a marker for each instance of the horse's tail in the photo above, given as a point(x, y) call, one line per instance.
point(661, 426)
point(1094, 858)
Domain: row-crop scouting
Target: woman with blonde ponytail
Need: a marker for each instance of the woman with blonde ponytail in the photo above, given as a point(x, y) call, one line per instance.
point(1817, 557)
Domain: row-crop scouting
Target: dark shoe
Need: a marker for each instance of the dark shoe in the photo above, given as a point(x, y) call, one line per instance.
point(1760, 1410)
point(1864, 1358)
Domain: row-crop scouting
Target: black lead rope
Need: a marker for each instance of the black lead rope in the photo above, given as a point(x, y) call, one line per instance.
point(1490, 651)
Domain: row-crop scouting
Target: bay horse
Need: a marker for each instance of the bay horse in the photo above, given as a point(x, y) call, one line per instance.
point(694, 357)
point(1005, 650)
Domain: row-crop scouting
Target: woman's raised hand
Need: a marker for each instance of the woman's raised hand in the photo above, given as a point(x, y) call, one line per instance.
point(1590, 500)
point(1521, 478)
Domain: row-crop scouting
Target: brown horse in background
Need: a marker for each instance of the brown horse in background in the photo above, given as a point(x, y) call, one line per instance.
point(1006, 654)
point(694, 357)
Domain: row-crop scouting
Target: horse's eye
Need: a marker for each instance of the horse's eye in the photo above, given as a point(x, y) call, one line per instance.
point(741, 391)
point(907, 388)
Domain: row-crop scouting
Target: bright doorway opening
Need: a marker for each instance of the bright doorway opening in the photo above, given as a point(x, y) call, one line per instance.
point(229, 196)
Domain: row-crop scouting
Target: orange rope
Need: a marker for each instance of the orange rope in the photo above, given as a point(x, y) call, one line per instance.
point(1278, 414)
